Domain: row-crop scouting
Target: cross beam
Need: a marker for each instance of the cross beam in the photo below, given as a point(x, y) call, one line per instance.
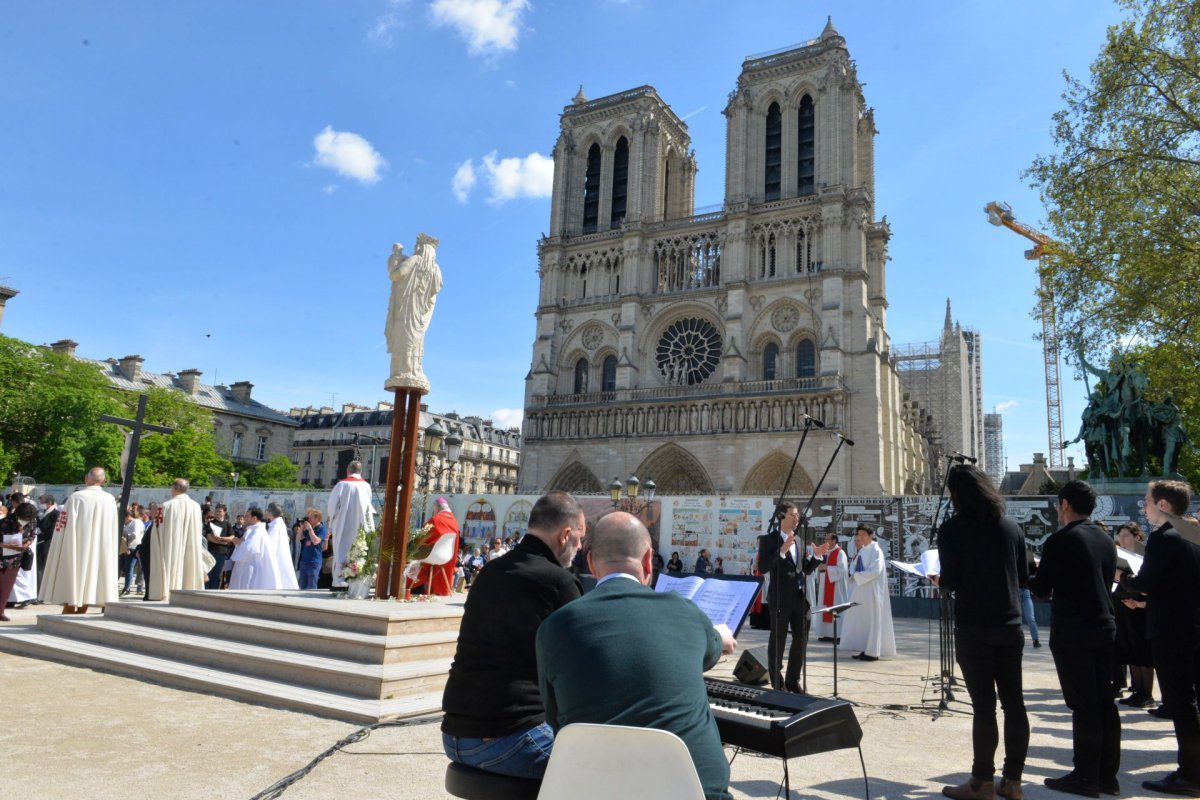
point(140, 429)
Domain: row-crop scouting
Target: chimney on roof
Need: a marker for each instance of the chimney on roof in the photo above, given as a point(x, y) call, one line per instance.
point(65, 346)
point(349, 408)
point(383, 406)
point(131, 367)
point(241, 391)
point(326, 410)
point(189, 380)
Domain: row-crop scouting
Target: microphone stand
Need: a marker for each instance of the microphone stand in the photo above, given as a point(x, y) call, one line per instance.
point(946, 611)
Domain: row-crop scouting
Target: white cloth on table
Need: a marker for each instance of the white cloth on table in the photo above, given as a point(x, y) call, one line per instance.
point(177, 546)
point(867, 627)
point(349, 509)
point(81, 566)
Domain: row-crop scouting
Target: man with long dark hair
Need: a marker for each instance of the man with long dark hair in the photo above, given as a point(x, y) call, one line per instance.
point(982, 555)
point(1078, 562)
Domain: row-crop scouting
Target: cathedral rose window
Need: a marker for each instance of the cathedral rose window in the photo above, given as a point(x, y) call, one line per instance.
point(688, 352)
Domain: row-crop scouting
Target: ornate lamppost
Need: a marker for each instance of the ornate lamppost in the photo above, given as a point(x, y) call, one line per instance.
point(632, 487)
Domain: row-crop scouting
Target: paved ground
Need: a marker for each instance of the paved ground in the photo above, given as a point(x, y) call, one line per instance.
point(78, 733)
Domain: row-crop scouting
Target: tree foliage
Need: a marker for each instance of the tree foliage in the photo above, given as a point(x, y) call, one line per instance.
point(278, 472)
point(50, 407)
point(1123, 201)
point(190, 452)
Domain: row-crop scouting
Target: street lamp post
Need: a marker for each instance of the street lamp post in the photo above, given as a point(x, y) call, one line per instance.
point(439, 448)
point(632, 487)
point(235, 476)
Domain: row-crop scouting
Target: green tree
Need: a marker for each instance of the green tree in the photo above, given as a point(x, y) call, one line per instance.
point(50, 407)
point(190, 452)
point(278, 472)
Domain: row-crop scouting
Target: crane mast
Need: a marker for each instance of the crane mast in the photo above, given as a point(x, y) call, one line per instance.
point(1000, 214)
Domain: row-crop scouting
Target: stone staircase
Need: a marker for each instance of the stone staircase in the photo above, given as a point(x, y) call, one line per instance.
point(355, 660)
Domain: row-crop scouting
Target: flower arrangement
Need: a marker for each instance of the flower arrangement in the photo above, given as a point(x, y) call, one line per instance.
point(363, 559)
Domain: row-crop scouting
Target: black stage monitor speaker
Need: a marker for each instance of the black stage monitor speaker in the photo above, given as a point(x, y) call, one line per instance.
point(752, 667)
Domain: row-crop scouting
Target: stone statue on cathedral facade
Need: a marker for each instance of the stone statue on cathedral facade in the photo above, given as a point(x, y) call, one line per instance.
point(416, 281)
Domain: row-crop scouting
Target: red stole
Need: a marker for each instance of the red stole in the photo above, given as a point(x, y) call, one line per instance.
point(827, 594)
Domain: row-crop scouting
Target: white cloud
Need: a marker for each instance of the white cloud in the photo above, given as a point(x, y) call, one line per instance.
point(348, 154)
point(1007, 405)
point(391, 20)
point(329, 188)
point(509, 178)
point(489, 26)
point(507, 417)
point(464, 180)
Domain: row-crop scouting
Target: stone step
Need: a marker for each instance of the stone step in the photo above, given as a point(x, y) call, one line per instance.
point(37, 643)
point(359, 647)
point(286, 666)
point(323, 610)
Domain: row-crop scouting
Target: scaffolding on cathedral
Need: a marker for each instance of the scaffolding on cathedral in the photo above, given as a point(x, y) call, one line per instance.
point(919, 368)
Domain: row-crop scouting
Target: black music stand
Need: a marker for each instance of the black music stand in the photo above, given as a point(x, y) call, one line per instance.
point(836, 612)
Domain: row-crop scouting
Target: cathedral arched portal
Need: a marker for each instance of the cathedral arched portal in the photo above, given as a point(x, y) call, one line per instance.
point(576, 478)
point(768, 474)
point(675, 471)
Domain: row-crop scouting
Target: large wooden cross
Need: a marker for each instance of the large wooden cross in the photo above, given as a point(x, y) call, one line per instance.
point(140, 429)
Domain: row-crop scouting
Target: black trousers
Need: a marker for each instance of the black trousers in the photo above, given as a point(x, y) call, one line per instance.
point(1177, 663)
point(799, 621)
point(990, 659)
point(1085, 674)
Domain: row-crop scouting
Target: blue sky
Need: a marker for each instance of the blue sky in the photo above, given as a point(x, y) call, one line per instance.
point(216, 185)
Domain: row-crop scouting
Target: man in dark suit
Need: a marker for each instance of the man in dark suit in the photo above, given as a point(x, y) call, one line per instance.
point(1078, 562)
point(781, 555)
point(46, 524)
point(627, 655)
point(1170, 577)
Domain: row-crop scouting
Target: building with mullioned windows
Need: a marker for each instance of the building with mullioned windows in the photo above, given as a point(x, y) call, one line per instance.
point(689, 348)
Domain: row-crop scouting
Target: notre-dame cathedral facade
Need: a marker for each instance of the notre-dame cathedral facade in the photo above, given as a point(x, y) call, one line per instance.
point(687, 348)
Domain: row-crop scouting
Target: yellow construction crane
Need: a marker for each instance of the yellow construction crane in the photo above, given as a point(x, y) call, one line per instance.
point(1000, 214)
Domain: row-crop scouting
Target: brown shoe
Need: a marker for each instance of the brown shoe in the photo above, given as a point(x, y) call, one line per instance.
point(974, 789)
point(1009, 789)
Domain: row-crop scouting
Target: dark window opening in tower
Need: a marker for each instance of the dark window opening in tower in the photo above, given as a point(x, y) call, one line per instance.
point(591, 190)
point(774, 153)
point(803, 253)
point(581, 376)
point(806, 359)
point(667, 188)
point(770, 359)
point(806, 152)
point(609, 377)
point(582, 282)
point(771, 256)
point(620, 182)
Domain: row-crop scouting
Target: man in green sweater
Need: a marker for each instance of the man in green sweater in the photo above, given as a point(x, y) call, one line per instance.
point(627, 655)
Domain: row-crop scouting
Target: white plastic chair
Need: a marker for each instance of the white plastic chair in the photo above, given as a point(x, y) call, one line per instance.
point(603, 762)
point(442, 552)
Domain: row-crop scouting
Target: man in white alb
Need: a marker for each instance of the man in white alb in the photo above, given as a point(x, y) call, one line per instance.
point(349, 509)
point(831, 589)
point(868, 626)
point(81, 567)
point(177, 545)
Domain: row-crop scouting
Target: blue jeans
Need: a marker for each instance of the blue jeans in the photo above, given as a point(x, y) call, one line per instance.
point(214, 575)
point(523, 754)
point(309, 575)
point(1027, 613)
point(126, 562)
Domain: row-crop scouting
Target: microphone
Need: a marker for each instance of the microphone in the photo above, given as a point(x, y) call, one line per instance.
point(843, 437)
point(816, 422)
point(961, 458)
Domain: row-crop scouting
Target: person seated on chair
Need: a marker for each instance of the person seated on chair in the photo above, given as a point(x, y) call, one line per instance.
point(438, 578)
point(628, 655)
point(493, 715)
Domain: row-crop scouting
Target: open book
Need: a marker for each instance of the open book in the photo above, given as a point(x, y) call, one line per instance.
point(928, 566)
point(724, 599)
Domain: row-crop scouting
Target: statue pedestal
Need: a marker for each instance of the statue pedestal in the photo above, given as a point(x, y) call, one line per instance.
point(1133, 486)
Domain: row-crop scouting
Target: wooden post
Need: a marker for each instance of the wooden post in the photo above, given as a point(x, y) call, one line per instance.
point(404, 513)
point(387, 534)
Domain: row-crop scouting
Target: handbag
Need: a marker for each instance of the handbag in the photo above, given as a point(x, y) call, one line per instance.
point(327, 562)
point(27, 559)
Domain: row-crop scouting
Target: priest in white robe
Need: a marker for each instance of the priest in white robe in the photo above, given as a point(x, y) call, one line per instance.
point(247, 555)
point(867, 627)
point(177, 545)
point(349, 509)
point(279, 550)
point(264, 560)
point(81, 567)
point(832, 590)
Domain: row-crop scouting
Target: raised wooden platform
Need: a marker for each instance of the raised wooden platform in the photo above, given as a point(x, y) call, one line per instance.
point(357, 660)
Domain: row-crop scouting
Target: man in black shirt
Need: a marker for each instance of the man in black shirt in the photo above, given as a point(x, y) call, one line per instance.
point(493, 714)
point(1078, 562)
point(1170, 577)
point(220, 544)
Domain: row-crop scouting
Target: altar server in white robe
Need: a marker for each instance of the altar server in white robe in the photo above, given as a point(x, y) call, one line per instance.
point(349, 509)
point(832, 589)
point(867, 627)
point(177, 547)
point(279, 550)
point(245, 555)
point(81, 567)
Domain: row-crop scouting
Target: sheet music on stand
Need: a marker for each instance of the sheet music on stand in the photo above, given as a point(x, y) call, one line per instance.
point(928, 566)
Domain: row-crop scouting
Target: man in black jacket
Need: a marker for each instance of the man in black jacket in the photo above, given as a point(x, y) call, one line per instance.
point(46, 525)
point(1170, 577)
point(781, 555)
point(493, 714)
point(1078, 562)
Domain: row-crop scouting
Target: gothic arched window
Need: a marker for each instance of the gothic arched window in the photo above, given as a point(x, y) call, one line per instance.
point(806, 359)
point(806, 147)
point(609, 374)
point(581, 376)
point(770, 360)
point(620, 182)
point(591, 190)
point(582, 282)
point(774, 153)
